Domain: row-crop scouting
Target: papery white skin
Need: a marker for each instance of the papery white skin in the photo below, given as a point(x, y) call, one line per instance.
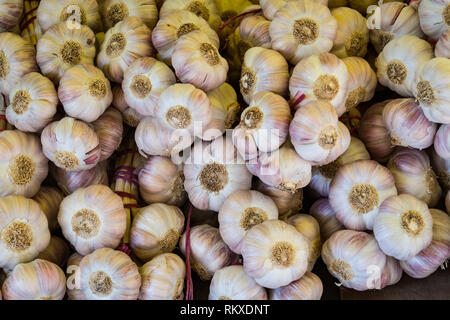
point(442, 169)
point(49, 200)
point(442, 48)
point(145, 10)
point(390, 233)
point(270, 7)
point(258, 258)
point(234, 221)
point(57, 252)
point(130, 116)
point(254, 30)
point(163, 278)
point(326, 217)
point(307, 79)
point(410, 53)
point(308, 287)
point(282, 26)
point(232, 283)
point(434, 17)
point(11, 11)
point(17, 209)
point(109, 129)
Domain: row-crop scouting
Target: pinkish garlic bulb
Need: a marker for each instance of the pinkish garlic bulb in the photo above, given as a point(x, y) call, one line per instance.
point(326, 216)
point(254, 32)
point(308, 287)
point(442, 141)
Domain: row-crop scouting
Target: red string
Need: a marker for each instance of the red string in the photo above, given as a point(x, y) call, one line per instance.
point(126, 194)
point(187, 249)
point(131, 205)
point(297, 100)
point(2, 117)
point(124, 248)
point(238, 16)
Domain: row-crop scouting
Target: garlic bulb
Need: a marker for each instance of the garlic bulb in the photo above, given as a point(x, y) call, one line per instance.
point(162, 181)
point(72, 12)
point(11, 11)
point(22, 163)
point(62, 47)
point(399, 61)
point(442, 169)
point(362, 82)
point(232, 283)
point(316, 133)
point(434, 17)
point(109, 129)
point(155, 230)
point(196, 60)
point(17, 58)
point(403, 226)
point(115, 11)
point(358, 190)
point(323, 175)
point(106, 274)
point(271, 7)
point(33, 103)
point(213, 171)
point(442, 48)
point(24, 230)
point(408, 125)
point(308, 287)
point(57, 252)
point(163, 278)
point(209, 252)
point(241, 211)
point(437, 253)
point(226, 107)
point(143, 82)
point(303, 28)
point(49, 199)
point(128, 40)
point(392, 272)
point(431, 87)
point(413, 175)
point(254, 32)
point(173, 26)
point(263, 70)
point(264, 125)
point(322, 77)
point(71, 144)
point(130, 116)
point(326, 217)
point(37, 280)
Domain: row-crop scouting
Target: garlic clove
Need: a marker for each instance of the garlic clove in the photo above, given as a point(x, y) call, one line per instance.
point(57, 252)
point(308, 287)
point(49, 199)
point(442, 141)
point(434, 17)
point(109, 129)
point(10, 13)
point(115, 11)
point(442, 48)
point(326, 217)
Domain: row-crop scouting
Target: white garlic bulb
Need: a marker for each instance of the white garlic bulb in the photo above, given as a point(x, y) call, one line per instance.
point(326, 217)
point(92, 218)
point(36, 280)
point(358, 190)
point(143, 82)
point(130, 116)
point(441, 167)
point(49, 199)
point(434, 17)
point(322, 77)
point(254, 32)
point(241, 211)
point(403, 226)
point(11, 11)
point(442, 141)
point(308, 287)
point(155, 230)
point(275, 254)
point(226, 107)
point(24, 230)
point(399, 61)
point(442, 48)
point(109, 129)
point(232, 283)
point(115, 11)
point(303, 28)
point(23, 164)
point(71, 144)
point(163, 278)
point(57, 252)
point(106, 274)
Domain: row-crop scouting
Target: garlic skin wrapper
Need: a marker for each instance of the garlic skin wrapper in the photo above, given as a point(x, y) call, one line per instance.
point(322, 77)
point(106, 274)
point(399, 61)
point(441, 167)
point(33, 103)
point(144, 81)
point(11, 11)
point(62, 47)
point(57, 252)
point(49, 199)
point(434, 17)
point(326, 217)
point(114, 11)
point(413, 175)
point(316, 133)
point(431, 88)
point(271, 7)
point(358, 190)
point(263, 70)
point(130, 116)
point(161, 181)
point(209, 252)
point(241, 211)
point(37, 280)
point(22, 163)
point(437, 253)
point(23, 229)
point(408, 125)
point(264, 125)
point(226, 107)
point(128, 40)
point(73, 12)
point(163, 278)
point(403, 226)
point(71, 144)
point(254, 32)
point(308, 287)
point(442, 48)
point(323, 175)
point(109, 129)
point(214, 171)
point(17, 58)
point(232, 283)
point(92, 218)
point(155, 230)
point(301, 29)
